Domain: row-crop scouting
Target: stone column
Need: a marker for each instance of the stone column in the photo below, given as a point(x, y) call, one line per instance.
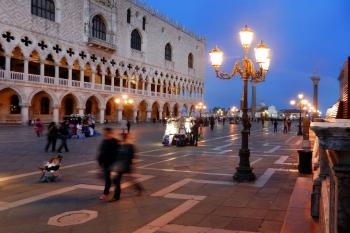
point(143, 87)
point(102, 115)
point(8, 63)
point(253, 107)
point(26, 68)
point(24, 114)
point(81, 111)
point(149, 115)
point(315, 80)
point(134, 116)
point(55, 114)
point(112, 82)
point(81, 77)
point(160, 113)
point(42, 68)
point(93, 79)
point(57, 72)
point(103, 80)
point(119, 114)
point(70, 75)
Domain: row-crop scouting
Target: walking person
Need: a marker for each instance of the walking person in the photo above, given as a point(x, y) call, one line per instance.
point(107, 156)
point(126, 154)
point(275, 125)
point(195, 134)
point(52, 133)
point(128, 125)
point(285, 126)
point(38, 127)
point(212, 123)
point(63, 134)
point(289, 123)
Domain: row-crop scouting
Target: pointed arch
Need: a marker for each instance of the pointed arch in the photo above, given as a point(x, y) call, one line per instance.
point(34, 63)
point(63, 68)
point(49, 66)
point(17, 60)
point(168, 52)
point(136, 40)
point(87, 72)
point(98, 27)
point(76, 70)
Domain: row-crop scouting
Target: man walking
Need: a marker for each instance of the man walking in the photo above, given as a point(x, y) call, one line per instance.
point(107, 156)
point(275, 124)
point(52, 133)
point(128, 125)
point(63, 134)
point(195, 134)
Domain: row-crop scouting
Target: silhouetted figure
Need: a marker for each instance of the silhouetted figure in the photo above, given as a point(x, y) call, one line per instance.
point(195, 134)
point(52, 133)
point(63, 134)
point(275, 125)
point(107, 156)
point(212, 123)
point(128, 125)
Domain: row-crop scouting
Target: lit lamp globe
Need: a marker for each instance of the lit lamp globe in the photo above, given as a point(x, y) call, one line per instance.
point(292, 102)
point(300, 96)
point(262, 55)
point(246, 35)
point(216, 57)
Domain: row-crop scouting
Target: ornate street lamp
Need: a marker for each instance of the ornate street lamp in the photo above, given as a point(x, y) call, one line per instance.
point(245, 69)
point(302, 104)
point(125, 100)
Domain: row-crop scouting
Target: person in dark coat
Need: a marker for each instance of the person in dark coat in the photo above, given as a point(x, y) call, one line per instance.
point(107, 156)
point(128, 125)
point(52, 133)
point(275, 124)
point(195, 134)
point(212, 123)
point(126, 154)
point(63, 134)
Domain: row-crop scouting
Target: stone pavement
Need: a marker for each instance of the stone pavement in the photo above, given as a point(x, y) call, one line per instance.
point(188, 189)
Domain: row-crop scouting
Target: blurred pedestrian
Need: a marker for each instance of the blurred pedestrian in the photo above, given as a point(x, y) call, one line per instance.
point(128, 125)
point(52, 133)
point(212, 123)
point(125, 157)
point(195, 133)
point(289, 123)
point(285, 126)
point(63, 134)
point(107, 156)
point(38, 127)
point(275, 125)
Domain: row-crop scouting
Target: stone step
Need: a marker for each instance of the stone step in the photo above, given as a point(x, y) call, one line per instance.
point(298, 218)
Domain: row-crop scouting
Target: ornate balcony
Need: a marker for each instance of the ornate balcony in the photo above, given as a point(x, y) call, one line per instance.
point(107, 44)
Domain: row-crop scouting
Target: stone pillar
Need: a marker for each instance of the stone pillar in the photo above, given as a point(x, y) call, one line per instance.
point(70, 75)
point(81, 111)
point(315, 80)
point(149, 115)
point(112, 82)
point(81, 77)
point(57, 72)
point(160, 114)
point(103, 80)
point(134, 116)
point(253, 107)
point(42, 68)
point(26, 68)
point(143, 87)
point(93, 80)
point(8, 63)
point(119, 115)
point(24, 114)
point(102, 115)
point(55, 114)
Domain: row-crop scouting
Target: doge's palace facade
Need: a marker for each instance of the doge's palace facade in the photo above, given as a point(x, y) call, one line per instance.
point(62, 57)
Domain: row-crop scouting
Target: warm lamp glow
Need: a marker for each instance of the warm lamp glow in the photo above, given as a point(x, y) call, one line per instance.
point(300, 96)
point(131, 101)
point(292, 102)
point(304, 102)
point(124, 96)
point(117, 101)
point(262, 53)
point(216, 57)
point(246, 35)
point(265, 65)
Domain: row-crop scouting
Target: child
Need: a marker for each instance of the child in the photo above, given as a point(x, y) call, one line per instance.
point(50, 170)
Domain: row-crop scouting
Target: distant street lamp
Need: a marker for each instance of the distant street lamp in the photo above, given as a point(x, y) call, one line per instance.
point(125, 100)
point(303, 105)
point(200, 107)
point(245, 69)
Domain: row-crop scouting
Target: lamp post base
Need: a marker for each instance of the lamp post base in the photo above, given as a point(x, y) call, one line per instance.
point(244, 175)
point(300, 132)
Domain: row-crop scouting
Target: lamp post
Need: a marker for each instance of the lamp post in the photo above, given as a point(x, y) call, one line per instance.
point(302, 103)
point(245, 69)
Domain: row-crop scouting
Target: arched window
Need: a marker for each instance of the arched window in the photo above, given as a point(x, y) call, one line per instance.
point(144, 23)
point(98, 28)
point(44, 106)
point(14, 105)
point(168, 52)
point(128, 16)
point(44, 9)
point(190, 60)
point(136, 40)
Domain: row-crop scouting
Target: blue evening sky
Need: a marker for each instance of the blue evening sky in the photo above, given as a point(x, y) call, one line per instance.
point(304, 35)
